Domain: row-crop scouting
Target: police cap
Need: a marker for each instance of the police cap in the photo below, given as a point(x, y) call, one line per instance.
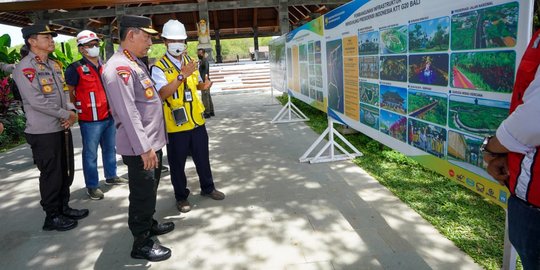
point(141, 22)
point(37, 29)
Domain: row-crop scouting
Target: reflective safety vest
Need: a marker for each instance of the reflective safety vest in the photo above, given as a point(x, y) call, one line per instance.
point(194, 109)
point(90, 97)
point(525, 169)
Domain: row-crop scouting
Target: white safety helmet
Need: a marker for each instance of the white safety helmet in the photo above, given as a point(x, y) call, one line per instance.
point(86, 36)
point(173, 29)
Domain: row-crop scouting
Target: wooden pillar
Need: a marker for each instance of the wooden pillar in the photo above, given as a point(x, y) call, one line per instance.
point(219, 58)
point(283, 16)
point(256, 43)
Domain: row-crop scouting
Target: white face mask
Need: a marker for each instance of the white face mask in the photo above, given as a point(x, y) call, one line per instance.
point(93, 52)
point(176, 49)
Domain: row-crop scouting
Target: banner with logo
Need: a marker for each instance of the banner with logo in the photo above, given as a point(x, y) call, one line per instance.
point(430, 78)
point(306, 64)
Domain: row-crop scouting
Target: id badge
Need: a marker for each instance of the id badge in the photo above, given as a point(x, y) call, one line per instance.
point(179, 116)
point(187, 96)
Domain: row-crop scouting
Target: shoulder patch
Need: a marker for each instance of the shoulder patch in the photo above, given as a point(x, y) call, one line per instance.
point(29, 73)
point(124, 72)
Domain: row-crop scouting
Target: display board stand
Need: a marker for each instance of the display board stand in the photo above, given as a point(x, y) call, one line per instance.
point(510, 254)
point(330, 146)
point(272, 101)
point(286, 113)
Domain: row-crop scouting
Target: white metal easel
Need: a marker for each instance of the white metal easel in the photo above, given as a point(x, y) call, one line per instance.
point(330, 145)
point(289, 114)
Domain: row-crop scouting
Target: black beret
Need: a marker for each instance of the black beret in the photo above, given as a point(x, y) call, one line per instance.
point(141, 22)
point(37, 29)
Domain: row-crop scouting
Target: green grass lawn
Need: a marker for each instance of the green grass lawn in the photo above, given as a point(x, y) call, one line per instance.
point(474, 224)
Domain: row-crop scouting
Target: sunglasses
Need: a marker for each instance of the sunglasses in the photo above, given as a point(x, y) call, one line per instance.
point(91, 45)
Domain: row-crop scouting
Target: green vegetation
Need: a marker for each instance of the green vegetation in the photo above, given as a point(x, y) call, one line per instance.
point(420, 42)
point(435, 115)
point(477, 119)
point(463, 31)
point(492, 27)
point(494, 70)
point(394, 40)
point(474, 224)
point(10, 111)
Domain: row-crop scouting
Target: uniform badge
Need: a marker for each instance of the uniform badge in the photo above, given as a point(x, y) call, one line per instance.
point(41, 67)
point(85, 69)
point(149, 92)
point(47, 89)
point(124, 73)
point(29, 73)
point(44, 81)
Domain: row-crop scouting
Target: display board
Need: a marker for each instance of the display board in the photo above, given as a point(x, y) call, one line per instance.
point(278, 64)
point(427, 78)
point(306, 64)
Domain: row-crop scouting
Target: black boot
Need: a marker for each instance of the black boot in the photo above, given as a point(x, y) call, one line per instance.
point(56, 221)
point(145, 248)
point(161, 228)
point(75, 214)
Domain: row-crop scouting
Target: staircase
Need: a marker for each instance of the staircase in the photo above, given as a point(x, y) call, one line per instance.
point(245, 76)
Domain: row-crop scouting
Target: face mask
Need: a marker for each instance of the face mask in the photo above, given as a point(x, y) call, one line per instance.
point(93, 52)
point(176, 49)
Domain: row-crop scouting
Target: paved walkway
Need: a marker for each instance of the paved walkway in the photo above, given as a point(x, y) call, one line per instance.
point(278, 214)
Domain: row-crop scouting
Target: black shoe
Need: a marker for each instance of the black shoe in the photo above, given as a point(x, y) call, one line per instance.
point(145, 248)
point(59, 222)
point(206, 115)
point(183, 206)
point(75, 214)
point(164, 169)
point(161, 228)
point(212, 114)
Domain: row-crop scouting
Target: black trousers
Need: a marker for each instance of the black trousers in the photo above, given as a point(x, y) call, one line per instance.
point(53, 156)
point(143, 186)
point(193, 141)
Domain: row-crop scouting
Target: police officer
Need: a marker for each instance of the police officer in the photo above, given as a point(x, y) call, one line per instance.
point(137, 111)
point(177, 80)
point(83, 78)
point(49, 116)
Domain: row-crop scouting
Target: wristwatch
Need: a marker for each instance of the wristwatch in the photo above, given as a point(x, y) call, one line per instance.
point(483, 147)
point(180, 77)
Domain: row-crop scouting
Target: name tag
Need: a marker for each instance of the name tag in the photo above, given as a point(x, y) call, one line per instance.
point(187, 96)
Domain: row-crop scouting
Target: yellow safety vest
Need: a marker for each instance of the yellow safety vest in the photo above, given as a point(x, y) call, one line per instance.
point(194, 108)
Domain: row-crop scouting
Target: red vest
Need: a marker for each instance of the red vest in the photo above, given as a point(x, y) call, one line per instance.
point(525, 169)
point(91, 100)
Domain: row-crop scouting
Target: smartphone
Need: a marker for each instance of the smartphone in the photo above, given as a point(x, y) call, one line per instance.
point(179, 116)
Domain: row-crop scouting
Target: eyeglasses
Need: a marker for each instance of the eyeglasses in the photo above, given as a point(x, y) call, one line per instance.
point(91, 45)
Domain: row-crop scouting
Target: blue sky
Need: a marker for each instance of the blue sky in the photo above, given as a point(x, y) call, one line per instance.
point(16, 36)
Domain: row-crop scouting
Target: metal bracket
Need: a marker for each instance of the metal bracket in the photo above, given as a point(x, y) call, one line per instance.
point(330, 145)
point(289, 110)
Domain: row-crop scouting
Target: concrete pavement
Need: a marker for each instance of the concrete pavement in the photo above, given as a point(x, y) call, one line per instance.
point(278, 214)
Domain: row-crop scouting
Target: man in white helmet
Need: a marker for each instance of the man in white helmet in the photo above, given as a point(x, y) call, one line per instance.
point(83, 78)
point(177, 80)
